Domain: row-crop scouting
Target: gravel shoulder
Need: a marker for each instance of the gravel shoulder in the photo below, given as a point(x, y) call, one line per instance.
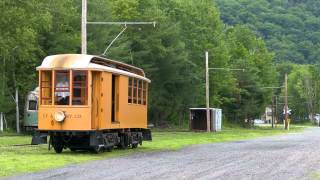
point(290, 156)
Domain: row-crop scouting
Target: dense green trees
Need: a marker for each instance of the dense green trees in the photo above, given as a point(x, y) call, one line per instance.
point(172, 53)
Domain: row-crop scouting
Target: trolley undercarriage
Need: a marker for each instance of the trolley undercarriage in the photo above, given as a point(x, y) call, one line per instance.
point(95, 141)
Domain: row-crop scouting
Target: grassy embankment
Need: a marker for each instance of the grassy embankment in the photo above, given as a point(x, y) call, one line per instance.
point(22, 159)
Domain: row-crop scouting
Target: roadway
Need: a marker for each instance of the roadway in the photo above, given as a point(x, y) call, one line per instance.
point(290, 156)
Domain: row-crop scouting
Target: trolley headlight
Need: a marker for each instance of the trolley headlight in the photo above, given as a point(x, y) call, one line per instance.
point(59, 116)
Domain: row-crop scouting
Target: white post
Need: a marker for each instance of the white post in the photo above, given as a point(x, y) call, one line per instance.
point(84, 27)
point(1, 122)
point(17, 112)
point(286, 125)
point(207, 92)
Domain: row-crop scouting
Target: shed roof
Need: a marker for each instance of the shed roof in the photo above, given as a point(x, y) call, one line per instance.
point(202, 108)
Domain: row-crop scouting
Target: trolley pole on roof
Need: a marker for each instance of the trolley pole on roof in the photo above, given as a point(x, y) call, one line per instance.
point(207, 87)
point(84, 24)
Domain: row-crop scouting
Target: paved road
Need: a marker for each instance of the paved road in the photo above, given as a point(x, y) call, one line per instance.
point(293, 156)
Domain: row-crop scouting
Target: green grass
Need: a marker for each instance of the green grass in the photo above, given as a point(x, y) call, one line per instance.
point(314, 175)
point(22, 159)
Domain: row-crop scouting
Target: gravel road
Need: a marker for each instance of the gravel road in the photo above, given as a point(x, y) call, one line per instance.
point(292, 156)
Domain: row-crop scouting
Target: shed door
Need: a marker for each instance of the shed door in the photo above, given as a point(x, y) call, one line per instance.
point(96, 99)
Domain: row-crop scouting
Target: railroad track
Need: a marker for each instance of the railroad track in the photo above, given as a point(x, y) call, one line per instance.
point(18, 145)
point(23, 145)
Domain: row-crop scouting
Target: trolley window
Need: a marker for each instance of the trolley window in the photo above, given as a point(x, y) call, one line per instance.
point(135, 88)
point(130, 90)
point(144, 92)
point(80, 88)
point(32, 105)
point(62, 88)
point(139, 91)
point(45, 87)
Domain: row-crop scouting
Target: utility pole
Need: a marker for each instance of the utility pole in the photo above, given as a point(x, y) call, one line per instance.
point(272, 108)
point(1, 122)
point(286, 124)
point(207, 87)
point(84, 27)
point(2, 90)
point(207, 92)
point(276, 113)
point(17, 111)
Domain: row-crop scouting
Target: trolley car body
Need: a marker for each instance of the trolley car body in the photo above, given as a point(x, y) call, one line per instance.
point(30, 121)
point(89, 102)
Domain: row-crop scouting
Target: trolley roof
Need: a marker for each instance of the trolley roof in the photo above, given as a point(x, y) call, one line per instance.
point(91, 62)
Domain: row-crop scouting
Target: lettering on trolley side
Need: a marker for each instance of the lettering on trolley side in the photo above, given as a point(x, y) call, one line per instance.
point(68, 116)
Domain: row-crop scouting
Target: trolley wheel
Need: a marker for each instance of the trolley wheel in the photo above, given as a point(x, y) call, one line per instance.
point(109, 149)
point(124, 141)
point(57, 144)
point(96, 149)
point(58, 149)
point(135, 145)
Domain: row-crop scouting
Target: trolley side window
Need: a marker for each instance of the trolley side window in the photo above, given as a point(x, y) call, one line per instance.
point(139, 91)
point(144, 92)
point(80, 88)
point(135, 88)
point(45, 87)
point(62, 88)
point(32, 105)
point(130, 90)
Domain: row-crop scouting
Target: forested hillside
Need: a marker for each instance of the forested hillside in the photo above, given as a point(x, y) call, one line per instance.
point(172, 53)
point(291, 28)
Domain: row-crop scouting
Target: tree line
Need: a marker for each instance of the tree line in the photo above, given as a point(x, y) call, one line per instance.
point(172, 53)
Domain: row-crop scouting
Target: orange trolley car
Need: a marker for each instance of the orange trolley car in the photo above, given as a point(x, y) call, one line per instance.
point(91, 103)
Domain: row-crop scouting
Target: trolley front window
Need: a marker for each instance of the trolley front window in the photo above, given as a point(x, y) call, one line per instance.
point(32, 105)
point(45, 87)
point(80, 88)
point(62, 88)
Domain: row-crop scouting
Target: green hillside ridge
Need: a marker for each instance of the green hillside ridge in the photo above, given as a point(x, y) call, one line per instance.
point(291, 28)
